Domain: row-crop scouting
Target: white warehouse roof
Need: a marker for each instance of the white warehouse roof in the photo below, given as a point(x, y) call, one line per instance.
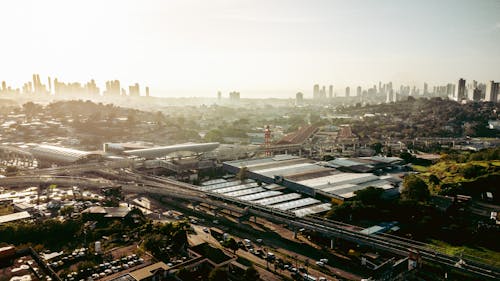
point(61, 155)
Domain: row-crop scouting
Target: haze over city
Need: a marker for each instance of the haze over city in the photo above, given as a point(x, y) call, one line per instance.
point(258, 48)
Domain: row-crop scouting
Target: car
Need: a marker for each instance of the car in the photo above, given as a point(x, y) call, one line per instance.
point(293, 269)
point(320, 263)
point(325, 261)
point(258, 240)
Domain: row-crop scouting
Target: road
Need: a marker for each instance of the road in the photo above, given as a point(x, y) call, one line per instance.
point(167, 187)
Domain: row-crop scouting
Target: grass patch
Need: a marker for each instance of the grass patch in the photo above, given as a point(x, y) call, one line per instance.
point(479, 254)
point(420, 169)
point(6, 210)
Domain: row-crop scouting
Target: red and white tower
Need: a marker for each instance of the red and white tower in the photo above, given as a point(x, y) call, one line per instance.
point(267, 140)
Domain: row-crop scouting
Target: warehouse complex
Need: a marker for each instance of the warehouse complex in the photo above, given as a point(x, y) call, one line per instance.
point(338, 179)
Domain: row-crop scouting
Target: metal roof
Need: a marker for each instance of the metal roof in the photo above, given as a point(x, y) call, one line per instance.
point(14, 217)
point(58, 154)
point(156, 152)
point(313, 210)
point(245, 192)
point(295, 204)
point(278, 199)
point(260, 195)
point(235, 188)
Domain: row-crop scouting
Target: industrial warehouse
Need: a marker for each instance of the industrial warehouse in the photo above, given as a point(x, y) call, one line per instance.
point(338, 179)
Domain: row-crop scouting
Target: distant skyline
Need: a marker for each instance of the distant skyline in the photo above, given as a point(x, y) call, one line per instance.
point(258, 48)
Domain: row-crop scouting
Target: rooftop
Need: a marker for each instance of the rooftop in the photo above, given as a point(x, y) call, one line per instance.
point(14, 217)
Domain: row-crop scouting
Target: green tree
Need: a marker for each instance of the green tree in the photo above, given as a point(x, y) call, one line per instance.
point(231, 244)
point(370, 195)
point(414, 188)
point(67, 210)
point(11, 170)
point(214, 135)
point(377, 147)
point(217, 274)
point(251, 274)
point(242, 174)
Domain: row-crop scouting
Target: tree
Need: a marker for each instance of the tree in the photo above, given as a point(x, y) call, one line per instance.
point(369, 196)
point(414, 188)
point(251, 274)
point(406, 156)
point(217, 274)
point(66, 210)
point(231, 244)
point(377, 147)
point(242, 174)
point(11, 170)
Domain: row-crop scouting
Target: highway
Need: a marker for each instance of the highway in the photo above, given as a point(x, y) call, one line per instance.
point(144, 184)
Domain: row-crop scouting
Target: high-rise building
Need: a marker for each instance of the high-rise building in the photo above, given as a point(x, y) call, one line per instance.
point(112, 88)
point(492, 91)
point(234, 96)
point(476, 94)
point(147, 92)
point(426, 89)
point(322, 93)
point(460, 92)
point(330, 92)
point(219, 95)
point(299, 98)
point(390, 96)
point(316, 91)
point(347, 91)
point(50, 85)
point(134, 90)
point(358, 91)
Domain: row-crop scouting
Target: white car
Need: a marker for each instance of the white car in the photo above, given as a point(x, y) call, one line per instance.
point(320, 263)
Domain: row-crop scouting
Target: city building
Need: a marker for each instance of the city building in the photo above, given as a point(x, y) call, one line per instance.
point(299, 99)
point(492, 91)
point(347, 91)
point(316, 91)
point(234, 96)
point(309, 177)
point(460, 93)
point(134, 90)
point(112, 88)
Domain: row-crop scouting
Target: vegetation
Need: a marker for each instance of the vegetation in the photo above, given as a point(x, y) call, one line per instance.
point(414, 189)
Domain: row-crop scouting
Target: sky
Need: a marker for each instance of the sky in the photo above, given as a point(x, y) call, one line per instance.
point(261, 48)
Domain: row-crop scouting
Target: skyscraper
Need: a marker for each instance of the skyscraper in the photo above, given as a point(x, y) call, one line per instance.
point(147, 91)
point(330, 92)
point(299, 98)
point(460, 93)
point(134, 90)
point(492, 91)
point(347, 91)
point(234, 96)
point(50, 85)
point(358, 91)
point(316, 91)
point(322, 93)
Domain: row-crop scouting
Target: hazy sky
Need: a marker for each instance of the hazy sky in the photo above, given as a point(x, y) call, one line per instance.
point(260, 48)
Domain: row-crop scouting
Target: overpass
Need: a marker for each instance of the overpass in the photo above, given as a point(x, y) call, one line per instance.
point(332, 229)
